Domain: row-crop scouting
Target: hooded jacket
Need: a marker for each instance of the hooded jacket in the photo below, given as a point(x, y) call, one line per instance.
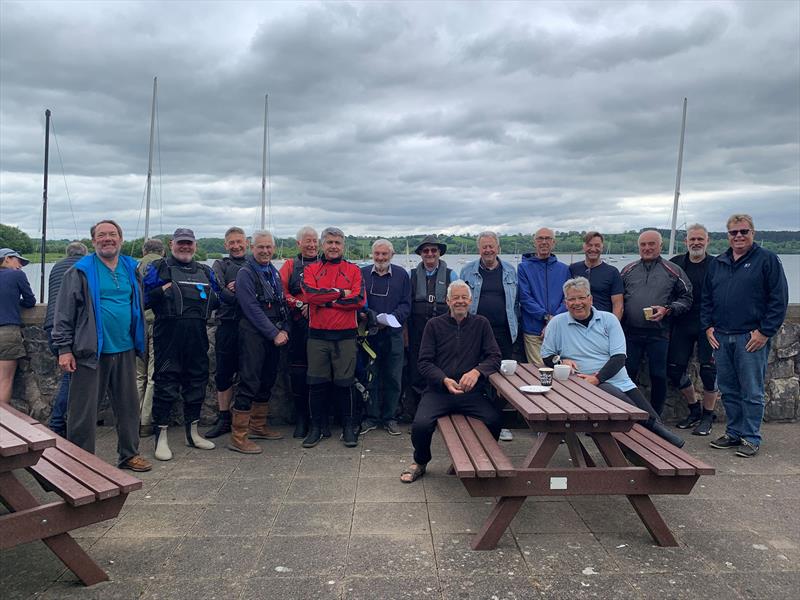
point(540, 290)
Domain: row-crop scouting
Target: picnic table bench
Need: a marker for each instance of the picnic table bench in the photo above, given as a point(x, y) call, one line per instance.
point(570, 409)
point(91, 491)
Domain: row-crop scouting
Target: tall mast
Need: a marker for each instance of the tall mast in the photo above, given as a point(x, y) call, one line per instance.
point(264, 164)
point(150, 161)
point(44, 200)
point(677, 184)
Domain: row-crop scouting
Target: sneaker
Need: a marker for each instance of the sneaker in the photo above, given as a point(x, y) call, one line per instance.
point(140, 464)
point(690, 420)
point(368, 425)
point(392, 428)
point(704, 427)
point(747, 449)
point(724, 442)
point(506, 435)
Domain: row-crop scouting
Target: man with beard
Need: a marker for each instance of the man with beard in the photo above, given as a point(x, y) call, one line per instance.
point(606, 282)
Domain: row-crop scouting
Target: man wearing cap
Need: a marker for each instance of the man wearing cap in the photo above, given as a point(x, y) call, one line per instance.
point(15, 292)
point(98, 329)
point(182, 293)
point(429, 281)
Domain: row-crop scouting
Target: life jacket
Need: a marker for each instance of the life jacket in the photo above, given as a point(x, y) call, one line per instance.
point(190, 296)
point(270, 296)
point(425, 304)
point(295, 284)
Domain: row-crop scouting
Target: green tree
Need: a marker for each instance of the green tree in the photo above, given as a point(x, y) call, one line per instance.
point(15, 238)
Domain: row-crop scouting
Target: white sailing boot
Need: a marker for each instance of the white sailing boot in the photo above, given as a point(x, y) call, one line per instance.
point(162, 445)
point(195, 440)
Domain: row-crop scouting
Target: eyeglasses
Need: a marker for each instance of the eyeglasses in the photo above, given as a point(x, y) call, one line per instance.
point(372, 291)
point(735, 232)
point(543, 239)
point(430, 250)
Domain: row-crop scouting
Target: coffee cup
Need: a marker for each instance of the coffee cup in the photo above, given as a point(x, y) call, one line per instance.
point(648, 313)
point(508, 367)
point(546, 376)
point(561, 372)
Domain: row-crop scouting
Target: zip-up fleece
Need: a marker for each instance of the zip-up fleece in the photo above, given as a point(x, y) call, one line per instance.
point(540, 291)
point(654, 283)
point(751, 293)
point(332, 314)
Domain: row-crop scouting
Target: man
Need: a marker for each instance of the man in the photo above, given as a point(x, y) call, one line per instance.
point(665, 291)
point(75, 251)
point(494, 291)
point(686, 333)
point(98, 328)
point(388, 289)
point(540, 295)
point(429, 281)
point(457, 355)
point(226, 338)
point(592, 343)
point(152, 249)
point(745, 297)
point(182, 294)
point(262, 331)
point(335, 292)
point(292, 280)
point(606, 282)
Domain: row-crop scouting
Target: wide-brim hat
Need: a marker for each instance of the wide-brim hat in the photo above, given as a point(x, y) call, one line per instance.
point(4, 252)
point(431, 240)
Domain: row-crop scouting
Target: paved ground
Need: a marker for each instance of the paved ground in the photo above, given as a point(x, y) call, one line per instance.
point(333, 522)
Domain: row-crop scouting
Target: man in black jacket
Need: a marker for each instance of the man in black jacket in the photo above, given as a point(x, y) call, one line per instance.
point(457, 354)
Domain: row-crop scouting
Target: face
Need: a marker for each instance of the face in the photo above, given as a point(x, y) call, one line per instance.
point(12, 262)
point(263, 249)
point(696, 242)
point(459, 301)
point(382, 257)
point(593, 249)
point(741, 242)
point(308, 245)
point(488, 249)
point(579, 303)
point(544, 241)
point(107, 241)
point(649, 245)
point(333, 247)
point(430, 256)
point(184, 250)
point(236, 245)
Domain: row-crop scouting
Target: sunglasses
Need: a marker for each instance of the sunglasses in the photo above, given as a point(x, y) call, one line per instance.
point(430, 250)
point(735, 232)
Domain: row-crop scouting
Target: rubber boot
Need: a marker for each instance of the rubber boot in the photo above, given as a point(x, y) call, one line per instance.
point(300, 416)
point(693, 418)
point(222, 426)
point(195, 440)
point(350, 433)
point(326, 426)
point(259, 427)
point(162, 445)
point(344, 401)
point(658, 428)
point(318, 413)
point(240, 421)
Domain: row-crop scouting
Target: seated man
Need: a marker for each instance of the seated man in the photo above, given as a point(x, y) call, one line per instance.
point(592, 343)
point(457, 353)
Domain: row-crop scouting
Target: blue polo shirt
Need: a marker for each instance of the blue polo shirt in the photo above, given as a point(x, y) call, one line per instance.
point(590, 347)
point(115, 307)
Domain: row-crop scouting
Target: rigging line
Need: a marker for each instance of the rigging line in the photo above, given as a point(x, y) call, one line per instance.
point(271, 226)
point(64, 175)
point(160, 188)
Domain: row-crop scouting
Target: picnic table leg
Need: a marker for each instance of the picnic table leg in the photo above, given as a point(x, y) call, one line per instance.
point(641, 503)
point(577, 452)
point(16, 497)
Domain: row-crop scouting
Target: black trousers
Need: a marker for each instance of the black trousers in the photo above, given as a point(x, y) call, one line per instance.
point(181, 367)
point(438, 404)
point(258, 367)
point(226, 349)
point(681, 346)
point(298, 365)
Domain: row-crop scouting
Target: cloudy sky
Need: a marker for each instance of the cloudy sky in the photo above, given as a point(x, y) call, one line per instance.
point(393, 118)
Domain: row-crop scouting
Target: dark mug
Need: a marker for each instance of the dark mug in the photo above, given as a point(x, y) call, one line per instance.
point(546, 376)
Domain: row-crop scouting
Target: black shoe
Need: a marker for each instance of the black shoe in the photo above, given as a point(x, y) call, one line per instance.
point(221, 427)
point(724, 442)
point(300, 428)
point(326, 429)
point(313, 438)
point(704, 427)
point(350, 434)
point(692, 419)
point(658, 428)
point(747, 449)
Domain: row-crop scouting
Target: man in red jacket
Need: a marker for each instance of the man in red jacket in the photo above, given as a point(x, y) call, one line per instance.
point(334, 293)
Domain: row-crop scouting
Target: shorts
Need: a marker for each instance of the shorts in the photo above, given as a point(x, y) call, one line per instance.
point(331, 360)
point(11, 345)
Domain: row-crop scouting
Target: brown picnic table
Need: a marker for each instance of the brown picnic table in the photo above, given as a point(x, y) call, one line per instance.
point(566, 413)
point(91, 491)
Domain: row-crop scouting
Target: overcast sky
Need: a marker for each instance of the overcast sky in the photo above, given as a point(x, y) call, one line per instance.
point(395, 118)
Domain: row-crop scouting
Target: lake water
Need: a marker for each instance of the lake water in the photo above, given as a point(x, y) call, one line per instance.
point(791, 265)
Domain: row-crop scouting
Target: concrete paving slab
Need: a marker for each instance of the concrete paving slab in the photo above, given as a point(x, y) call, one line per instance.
point(128, 589)
point(390, 517)
point(547, 517)
point(326, 465)
point(292, 588)
point(571, 554)
point(131, 557)
point(30, 568)
point(440, 487)
point(458, 517)
point(683, 586)
point(454, 555)
point(252, 491)
point(391, 588)
point(388, 489)
point(740, 551)
point(459, 587)
point(237, 520)
point(302, 556)
point(224, 556)
point(383, 465)
point(618, 587)
point(183, 491)
point(265, 467)
point(639, 555)
point(313, 519)
point(322, 489)
point(755, 585)
point(391, 555)
point(194, 588)
point(161, 520)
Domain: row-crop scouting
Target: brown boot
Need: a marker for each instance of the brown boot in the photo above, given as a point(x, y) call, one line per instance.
point(259, 428)
point(239, 442)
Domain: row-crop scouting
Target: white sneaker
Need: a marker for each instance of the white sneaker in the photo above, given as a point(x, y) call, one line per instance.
point(506, 435)
point(162, 447)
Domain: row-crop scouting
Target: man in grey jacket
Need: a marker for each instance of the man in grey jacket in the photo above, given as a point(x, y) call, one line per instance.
point(655, 291)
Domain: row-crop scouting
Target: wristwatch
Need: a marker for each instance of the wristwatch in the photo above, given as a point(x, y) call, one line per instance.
point(298, 304)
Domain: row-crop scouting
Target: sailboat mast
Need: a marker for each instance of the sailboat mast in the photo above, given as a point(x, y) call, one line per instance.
point(677, 184)
point(150, 161)
point(264, 164)
point(44, 200)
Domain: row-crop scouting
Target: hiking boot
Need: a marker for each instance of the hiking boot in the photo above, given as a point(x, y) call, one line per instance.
point(137, 463)
point(706, 422)
point(300, 427)
point(392, 427)
point(221, 427)
point(314, 436)
point(506, 435)
point(747, 449)
point(239, 442)
point(326, 428)
point(725, 441)
point(368, 425)
point(692, 419)
point(349, 433)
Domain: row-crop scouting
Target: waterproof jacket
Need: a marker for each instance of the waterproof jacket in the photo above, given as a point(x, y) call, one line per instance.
point(472, 276)
point(225, 270)
point(750, 293)
point(292, 280)
point(654, 283)
point(540, 291)
point(334, 292)
point(77, 322)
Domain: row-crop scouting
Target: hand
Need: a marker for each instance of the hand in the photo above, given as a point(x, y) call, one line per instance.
point(570, 363)
point(281, 338)
point(451, 386)
point(757, 341)
point(231, 286)
point(362, 317)
point(712, 340)
point(67, 362)
point(659, 312)
point(590, 379)
point(469, 379)
point(304, 311)
point(166, 286)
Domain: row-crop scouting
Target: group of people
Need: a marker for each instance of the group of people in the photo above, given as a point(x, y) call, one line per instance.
point(137, 332)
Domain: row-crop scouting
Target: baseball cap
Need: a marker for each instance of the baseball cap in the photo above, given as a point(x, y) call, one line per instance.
point(182, 234)
point(4, 252)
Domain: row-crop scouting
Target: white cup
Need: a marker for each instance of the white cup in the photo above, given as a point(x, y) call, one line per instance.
point(561, 372)
point(507, 367)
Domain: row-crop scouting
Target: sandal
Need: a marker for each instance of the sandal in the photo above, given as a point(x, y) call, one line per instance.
point(416, 471)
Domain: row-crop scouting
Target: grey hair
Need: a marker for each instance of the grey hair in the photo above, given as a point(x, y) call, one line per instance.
point(696, 226)
point(383, 242)
point(580, 283)
point(656, 231)
point(485, 234)
point(304, 231)
point(77, 249)
point(262, 233)
point(232, 230)
point(455, 284)
point(330, 232)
